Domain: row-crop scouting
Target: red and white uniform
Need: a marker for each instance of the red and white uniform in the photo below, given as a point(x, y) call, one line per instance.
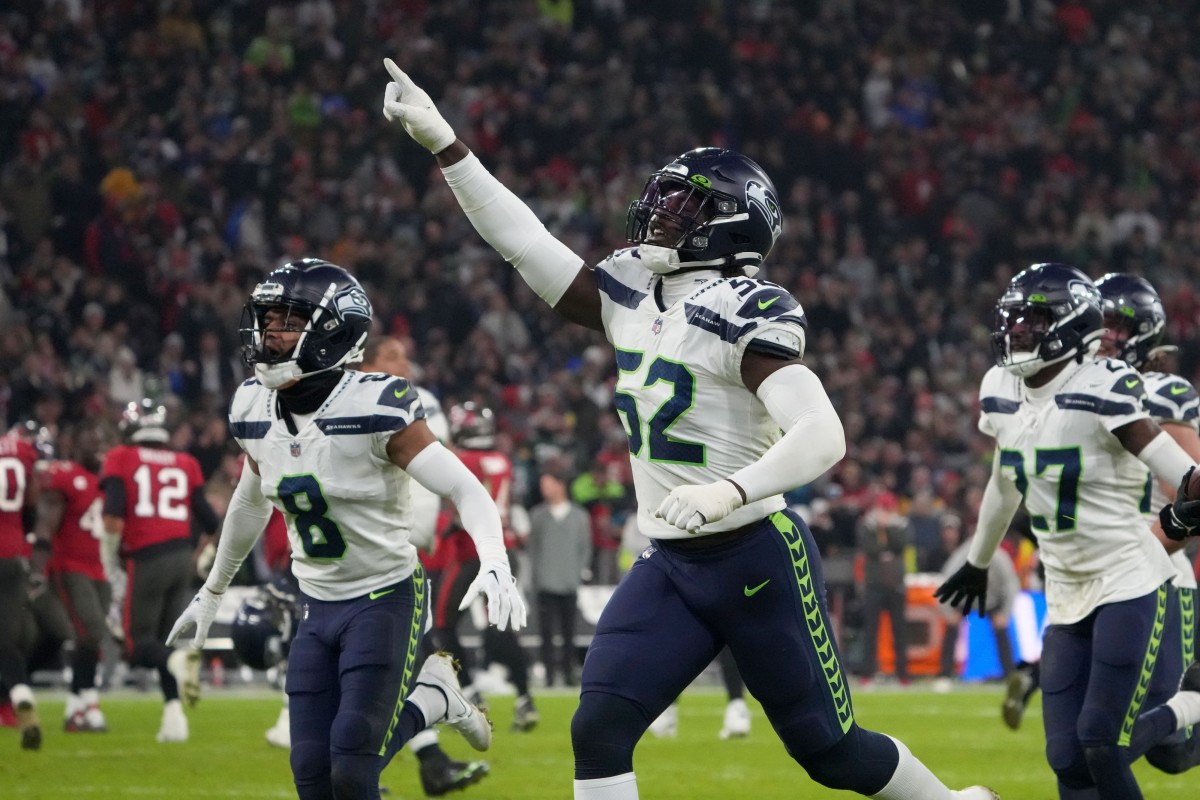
point(17, 458)
point(76, 546)
point(159, 485)
point(495, 471)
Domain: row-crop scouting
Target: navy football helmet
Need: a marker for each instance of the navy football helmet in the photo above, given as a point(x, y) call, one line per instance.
point(472, 426)
point(264, 625)
point(1134, 317)
point(321, 301)
point(1049, 313)
point(716, 207)
point(145, 422)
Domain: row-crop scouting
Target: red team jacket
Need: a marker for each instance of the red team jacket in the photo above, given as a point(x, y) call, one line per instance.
point(17, 457)
point(495, 472)
point(76, 546)
point(158, 493)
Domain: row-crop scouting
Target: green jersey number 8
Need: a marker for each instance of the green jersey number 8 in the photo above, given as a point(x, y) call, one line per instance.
point(303, 500)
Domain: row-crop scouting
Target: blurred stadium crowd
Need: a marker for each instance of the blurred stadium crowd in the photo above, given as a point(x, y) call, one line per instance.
point(157, 158)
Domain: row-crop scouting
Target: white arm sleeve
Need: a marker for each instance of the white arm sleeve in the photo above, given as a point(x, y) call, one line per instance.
point(1166, 459)
point(245, 519)
point(813, 439)
point(440, 471)
point(508, 225)
point(996, 510)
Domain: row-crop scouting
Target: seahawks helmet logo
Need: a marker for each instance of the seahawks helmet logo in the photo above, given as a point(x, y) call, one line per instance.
point(764, 200)
point(1086, 292)
point(353, 301)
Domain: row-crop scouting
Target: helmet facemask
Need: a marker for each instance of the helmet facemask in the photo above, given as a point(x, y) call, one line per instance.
point(1133, 338)
point(321, 331)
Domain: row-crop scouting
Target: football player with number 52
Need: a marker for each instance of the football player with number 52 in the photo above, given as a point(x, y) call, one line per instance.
point(711, 371)
point(334, 450)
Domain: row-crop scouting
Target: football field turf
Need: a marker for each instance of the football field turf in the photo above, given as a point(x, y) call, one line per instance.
point(959, 735)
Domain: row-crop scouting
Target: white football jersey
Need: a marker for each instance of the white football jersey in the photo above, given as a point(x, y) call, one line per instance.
point(1083, 490)
point(679, 392)
point(1170, 399)
point(346, 504)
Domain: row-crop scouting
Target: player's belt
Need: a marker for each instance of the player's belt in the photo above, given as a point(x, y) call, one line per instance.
point(710, 541)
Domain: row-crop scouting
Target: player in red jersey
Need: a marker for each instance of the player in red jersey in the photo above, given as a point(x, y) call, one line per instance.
point(151, 494)
point(18, 498)
point(70, 526)
point(473, 432)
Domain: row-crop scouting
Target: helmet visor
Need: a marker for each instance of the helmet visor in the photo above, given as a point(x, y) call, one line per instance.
point(669, 209)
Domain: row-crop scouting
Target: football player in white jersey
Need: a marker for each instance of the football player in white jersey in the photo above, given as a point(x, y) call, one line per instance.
point(334, 449)
point(1135, 324)
point(722, 417)
point(1073, 441)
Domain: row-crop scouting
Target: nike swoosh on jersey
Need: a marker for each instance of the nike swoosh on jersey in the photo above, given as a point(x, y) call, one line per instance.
point(1132, 382)
point(401, 394)
point(764, 306)
point(1178, 389)
point(377, 595)
point(751, 592)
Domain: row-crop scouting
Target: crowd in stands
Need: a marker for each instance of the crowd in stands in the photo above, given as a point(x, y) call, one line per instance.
point(159, 157)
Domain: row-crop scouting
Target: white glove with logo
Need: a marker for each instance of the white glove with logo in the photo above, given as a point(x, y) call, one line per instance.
point(496, 583)
point(690, 506)
point(200, 612)
point(407, 102)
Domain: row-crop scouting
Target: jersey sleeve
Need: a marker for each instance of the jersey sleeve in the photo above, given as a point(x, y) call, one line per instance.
point(192, 467)
point(398, 406)
point(243, 424)
point(623, 283)
point(114, 464)
point(1114, 391)
point(1173, 399)
point(58, 477)
point(780, 323)
point(993, 400)
point(755, 316)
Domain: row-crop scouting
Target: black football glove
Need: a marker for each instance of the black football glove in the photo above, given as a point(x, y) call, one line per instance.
point(1181, 519)
point(967, 586)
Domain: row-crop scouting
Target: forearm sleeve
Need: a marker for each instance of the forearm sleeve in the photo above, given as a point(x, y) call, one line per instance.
point(440, 471)
point(245, 519)
point(1166, 459)
point(508, 225)
point(996, 509)
point(114, 496)
point(813, 439)
point(203, 511)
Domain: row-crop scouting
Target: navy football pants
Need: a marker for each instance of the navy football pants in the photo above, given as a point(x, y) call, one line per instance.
point(762, 594)
point(350, 669)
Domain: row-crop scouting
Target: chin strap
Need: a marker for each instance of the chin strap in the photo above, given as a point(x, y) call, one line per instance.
point(665, 261)
point(276, 376)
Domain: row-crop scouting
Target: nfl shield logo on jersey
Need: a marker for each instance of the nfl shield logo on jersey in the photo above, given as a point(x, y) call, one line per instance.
point(657, 326)
point(295, 449)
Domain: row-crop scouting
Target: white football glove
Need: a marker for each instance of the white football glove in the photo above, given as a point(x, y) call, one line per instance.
point(200, 612)
point(409, 103)
point(496, 583)
point(690, 506)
